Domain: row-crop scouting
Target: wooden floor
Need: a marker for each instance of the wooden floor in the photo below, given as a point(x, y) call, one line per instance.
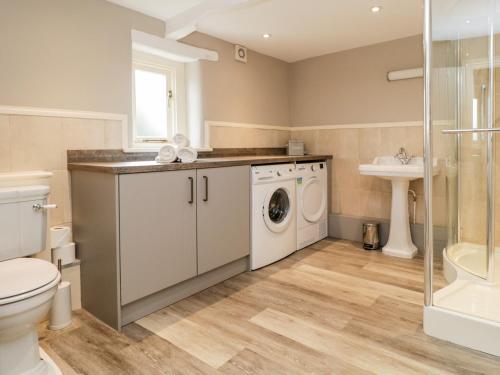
point(329, 309)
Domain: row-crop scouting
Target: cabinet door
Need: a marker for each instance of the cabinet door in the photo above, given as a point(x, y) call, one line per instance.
point(157, 231)
point(223, 216)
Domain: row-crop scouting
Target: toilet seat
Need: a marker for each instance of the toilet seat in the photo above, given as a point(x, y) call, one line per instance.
point(22, 278)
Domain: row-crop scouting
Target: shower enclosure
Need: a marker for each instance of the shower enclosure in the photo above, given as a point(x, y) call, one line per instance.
point(462, 290)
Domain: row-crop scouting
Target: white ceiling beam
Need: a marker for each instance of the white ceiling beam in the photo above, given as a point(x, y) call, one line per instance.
point(184, 23)
point(170, 49)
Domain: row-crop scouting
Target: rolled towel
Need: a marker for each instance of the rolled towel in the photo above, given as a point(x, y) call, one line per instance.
point(187, 154)
point(180, 140)
point(167, 154)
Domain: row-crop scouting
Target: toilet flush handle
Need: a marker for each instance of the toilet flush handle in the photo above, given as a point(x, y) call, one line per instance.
point(38, 207)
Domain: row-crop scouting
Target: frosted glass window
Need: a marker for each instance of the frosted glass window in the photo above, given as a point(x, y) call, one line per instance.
point(151, 104)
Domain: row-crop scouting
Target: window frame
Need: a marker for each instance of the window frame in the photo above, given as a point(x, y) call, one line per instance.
point(175, 106)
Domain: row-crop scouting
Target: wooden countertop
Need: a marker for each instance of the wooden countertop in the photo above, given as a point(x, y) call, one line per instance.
point(127, 167)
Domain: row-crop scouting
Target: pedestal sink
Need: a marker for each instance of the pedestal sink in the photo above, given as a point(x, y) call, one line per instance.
point(400, 243)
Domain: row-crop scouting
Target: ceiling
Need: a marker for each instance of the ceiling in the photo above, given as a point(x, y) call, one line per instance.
point(163, 9)
point(454, 19)
point(299, 29)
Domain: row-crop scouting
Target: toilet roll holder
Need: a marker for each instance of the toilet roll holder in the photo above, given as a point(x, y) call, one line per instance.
point(60, 313)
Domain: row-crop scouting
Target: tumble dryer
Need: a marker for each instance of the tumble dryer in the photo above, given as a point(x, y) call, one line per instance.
point(312, 203)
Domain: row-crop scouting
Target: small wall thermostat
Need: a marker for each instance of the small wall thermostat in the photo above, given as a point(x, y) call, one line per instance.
point(240, 53)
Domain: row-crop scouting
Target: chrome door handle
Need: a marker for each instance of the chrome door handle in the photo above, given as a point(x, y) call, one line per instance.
point(471, 130)
point(38, 207)
point(191, 182)
point(206, 189)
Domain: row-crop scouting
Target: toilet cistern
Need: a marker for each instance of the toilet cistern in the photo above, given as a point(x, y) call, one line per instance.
point(400, 170)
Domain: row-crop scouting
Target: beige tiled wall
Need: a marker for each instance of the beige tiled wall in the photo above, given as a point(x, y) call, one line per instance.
point(352, 194)
point(367, 196)
point(232, 137)
point(40, 143)
point(33, 142)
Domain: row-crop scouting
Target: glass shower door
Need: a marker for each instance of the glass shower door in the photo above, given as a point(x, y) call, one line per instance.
point(462, 284)
point(464, 131)
point(475, 158)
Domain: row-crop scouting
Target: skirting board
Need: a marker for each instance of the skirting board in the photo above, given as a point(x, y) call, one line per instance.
point(351, 228)
point(147, 305)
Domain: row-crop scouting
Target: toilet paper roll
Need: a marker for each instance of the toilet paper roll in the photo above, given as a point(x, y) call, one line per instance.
point(59, 236)
point(60, 313)
point(66, 253)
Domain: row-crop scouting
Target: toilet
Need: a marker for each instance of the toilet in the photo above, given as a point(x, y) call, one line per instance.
point(27, 285)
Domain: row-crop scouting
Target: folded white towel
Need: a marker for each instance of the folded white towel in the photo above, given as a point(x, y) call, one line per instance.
point(180, 140)
point(167, 154)
point(187, 154)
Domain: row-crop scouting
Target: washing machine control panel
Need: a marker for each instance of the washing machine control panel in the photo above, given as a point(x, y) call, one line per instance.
point(275, 172)
point(310, 168)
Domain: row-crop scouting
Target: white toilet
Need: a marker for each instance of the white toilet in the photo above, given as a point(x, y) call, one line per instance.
point(27, 285)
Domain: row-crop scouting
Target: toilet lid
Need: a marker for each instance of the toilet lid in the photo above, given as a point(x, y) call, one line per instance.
point(23, 275)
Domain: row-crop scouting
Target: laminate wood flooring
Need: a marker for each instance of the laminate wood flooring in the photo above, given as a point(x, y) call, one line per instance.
point(331, 308)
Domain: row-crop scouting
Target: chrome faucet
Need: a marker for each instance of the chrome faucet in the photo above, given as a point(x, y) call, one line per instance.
point(403, 156)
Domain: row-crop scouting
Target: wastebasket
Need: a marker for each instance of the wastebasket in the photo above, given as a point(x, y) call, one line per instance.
point(370, 236)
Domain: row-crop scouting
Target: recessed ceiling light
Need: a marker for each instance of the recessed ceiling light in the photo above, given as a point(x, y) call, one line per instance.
point(376, 9)
point(266, 36)
point(467, 21)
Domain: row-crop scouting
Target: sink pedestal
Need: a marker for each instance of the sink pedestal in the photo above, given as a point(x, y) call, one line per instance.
point(391, 168)
point(400, 243)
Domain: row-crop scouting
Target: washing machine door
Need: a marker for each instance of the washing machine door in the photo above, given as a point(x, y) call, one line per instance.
point(277, 209)
point(313, 200)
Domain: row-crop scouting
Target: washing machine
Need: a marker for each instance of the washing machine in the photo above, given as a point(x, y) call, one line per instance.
point(274, 223)
point(312, 203)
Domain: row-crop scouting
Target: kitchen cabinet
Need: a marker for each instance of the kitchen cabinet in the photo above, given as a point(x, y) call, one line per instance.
point(147, 240)
point(223, 220)
point(157, 231)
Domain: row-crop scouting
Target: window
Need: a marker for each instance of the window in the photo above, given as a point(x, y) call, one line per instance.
point(167, 92)
point(158, 99)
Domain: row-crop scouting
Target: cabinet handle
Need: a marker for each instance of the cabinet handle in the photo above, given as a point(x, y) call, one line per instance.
point(206, 189)
point(191, 182)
